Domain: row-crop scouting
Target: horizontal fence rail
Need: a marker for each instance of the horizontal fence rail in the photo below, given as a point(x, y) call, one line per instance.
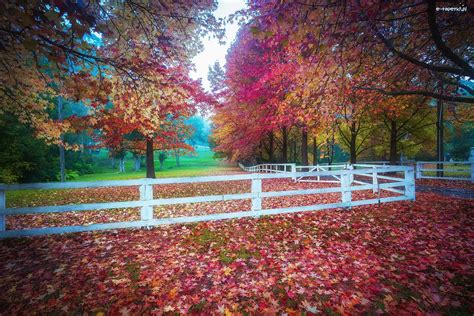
point(270, 167)
point(147, 202)
point(445, 170)
point(441, 170)
point(334, 178)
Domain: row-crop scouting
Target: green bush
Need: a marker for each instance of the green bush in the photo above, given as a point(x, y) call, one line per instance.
point(24, 158)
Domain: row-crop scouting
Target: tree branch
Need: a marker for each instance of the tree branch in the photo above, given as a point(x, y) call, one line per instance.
point(420, 92)
point(444, 49)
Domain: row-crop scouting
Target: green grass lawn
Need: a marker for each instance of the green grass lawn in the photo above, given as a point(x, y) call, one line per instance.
point(466, 170)
point(199, 163)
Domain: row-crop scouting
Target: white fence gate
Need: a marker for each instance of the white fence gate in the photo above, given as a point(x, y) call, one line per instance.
point(147, 201)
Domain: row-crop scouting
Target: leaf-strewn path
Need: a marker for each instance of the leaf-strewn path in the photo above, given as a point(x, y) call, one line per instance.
point(398, 258)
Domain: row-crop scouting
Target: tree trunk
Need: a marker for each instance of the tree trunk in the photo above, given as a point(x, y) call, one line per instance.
point(291, 157)
point(176, 153)
point(295, 155)
point(62, 159)
point(161, 165)
point(439, 136)
point(150, 162)
point(137, 161)
point(315, 151)
point(270, 145)
point(113, 162)
point(353, 152)
point(331, 150)
point(122, 164)
point(331, 154)
point(62, 163)
point(284, 150)
point(353, 144)
point(393, 142)
point(304, 147)
point(290, 153)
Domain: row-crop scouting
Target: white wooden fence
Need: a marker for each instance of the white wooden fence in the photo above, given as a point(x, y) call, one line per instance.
point(315, 175)
point(147, 202)
point(317, 168)
point(291, 167)
point(445, 170)
point(270, 167)
point(323, 174)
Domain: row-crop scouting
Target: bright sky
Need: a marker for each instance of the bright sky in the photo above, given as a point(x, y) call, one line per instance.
point(212, 50)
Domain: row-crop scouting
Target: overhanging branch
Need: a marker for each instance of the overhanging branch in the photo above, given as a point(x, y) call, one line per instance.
point(434, 95)
point(440, 44)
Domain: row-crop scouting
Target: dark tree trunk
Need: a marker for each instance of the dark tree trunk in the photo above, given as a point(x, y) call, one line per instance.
point(353, 144)
point(440, 136)
point(290, 153)
point(271, 147)
point(315, 151)
point(176, 153)
point(304, 147)
point(353, 152)
point(330, 150)
point(295, 154)
point(284, 157)
point(62, 159)
point(259, 153)
point(150, 162)
point(331, 153)
point(62, 163)
point(393, 142)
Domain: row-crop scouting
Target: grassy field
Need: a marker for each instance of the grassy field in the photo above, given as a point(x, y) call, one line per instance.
point(450, 170)
point(200, 163)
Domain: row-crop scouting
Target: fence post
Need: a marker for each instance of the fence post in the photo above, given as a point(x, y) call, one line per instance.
point(351, 176)
point(410, 184)
point(293, 170)
point(471, 160)
point(418, 170)
point(146, 194)
point(345, 194)
point(256, 190)
point(375, 181)
point(3, 218)
point(317, 169)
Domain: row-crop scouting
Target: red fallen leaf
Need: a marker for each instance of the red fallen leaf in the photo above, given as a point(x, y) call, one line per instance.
point(291, 294)
point(322, 258)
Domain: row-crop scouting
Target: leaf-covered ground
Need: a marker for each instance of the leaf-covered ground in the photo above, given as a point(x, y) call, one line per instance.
point(397, 258)
point(467, 185)
point(92, 195)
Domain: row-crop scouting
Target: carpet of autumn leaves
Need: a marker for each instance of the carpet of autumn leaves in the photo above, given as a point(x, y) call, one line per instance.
point(397, 258)
point(91, 195)
point(467, 185)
